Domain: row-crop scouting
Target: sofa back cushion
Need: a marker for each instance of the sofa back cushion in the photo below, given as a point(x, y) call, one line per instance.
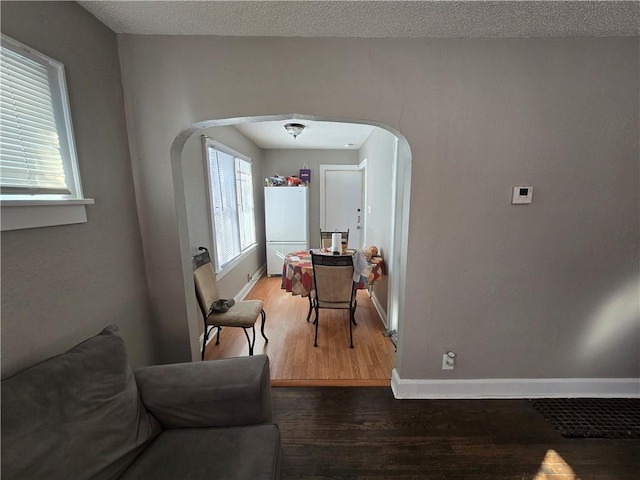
point(75, 416)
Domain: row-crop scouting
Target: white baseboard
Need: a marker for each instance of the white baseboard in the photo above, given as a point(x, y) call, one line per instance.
point(213, 331)
point(257, 275)
point(379, 309)
point(515, 388)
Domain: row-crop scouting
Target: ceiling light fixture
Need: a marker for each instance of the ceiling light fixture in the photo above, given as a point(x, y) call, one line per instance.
point(294, 129)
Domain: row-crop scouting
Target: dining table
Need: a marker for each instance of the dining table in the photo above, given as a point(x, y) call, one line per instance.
point(297, 272)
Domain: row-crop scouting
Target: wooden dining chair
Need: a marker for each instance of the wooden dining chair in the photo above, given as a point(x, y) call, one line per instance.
point(242, 314)
point(334, 287)
point(325, 238)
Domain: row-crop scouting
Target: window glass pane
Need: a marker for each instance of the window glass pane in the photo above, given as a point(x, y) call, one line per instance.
point(224, 207)
point(31, 156)
point(232, 207)
point(245, 203)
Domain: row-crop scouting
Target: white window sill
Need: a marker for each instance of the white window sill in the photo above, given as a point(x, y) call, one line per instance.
point(23, 214)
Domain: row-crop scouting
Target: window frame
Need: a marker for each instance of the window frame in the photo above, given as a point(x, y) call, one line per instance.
point(221, 271)
point(22, 211)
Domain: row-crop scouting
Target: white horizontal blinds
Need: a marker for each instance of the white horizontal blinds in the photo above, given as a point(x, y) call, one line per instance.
point(30, 153)
point(225, 214)
point(246, 217)
point(233, 211)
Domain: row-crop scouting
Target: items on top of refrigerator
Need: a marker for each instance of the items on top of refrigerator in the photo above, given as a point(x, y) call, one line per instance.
point(280, 181)
point(275, 181)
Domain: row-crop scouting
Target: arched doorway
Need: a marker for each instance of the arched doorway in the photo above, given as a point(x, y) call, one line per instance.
point(400, 185)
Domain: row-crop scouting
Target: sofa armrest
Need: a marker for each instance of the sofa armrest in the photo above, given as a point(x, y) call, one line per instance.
point(218, 393)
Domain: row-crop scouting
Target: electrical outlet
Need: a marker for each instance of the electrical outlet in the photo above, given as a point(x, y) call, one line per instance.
point(448, 361)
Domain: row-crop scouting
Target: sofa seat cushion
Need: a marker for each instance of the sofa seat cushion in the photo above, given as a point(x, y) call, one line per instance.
point(75, 416)
point(251, 453)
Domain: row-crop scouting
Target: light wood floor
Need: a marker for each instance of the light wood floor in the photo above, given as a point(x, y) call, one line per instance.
point(292, 356)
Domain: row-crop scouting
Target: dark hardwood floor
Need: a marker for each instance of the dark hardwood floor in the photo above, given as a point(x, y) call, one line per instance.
point(364, 433)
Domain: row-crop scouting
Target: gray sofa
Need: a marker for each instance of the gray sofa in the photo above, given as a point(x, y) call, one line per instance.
point(86, 414)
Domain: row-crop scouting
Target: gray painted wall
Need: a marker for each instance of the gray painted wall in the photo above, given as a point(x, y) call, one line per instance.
point(515, 290)
point(379, 151)
point(62, 284)
point(287, 162)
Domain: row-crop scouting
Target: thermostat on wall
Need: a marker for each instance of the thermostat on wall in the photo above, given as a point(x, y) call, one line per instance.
point(522, 195)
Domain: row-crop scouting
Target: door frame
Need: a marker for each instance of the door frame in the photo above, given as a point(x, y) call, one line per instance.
point(352, 167)
point(365, 202)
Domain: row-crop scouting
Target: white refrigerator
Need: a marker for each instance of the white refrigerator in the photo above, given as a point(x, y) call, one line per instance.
point(286, 223)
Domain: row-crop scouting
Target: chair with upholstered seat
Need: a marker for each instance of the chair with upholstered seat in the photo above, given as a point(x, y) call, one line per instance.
point(334, 287)
point(242, 314)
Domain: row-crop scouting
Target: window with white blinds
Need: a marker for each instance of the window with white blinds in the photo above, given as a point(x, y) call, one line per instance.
point(232, 207)
point(37, 154)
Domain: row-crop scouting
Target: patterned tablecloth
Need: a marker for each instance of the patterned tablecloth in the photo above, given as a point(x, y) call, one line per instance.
point(297, 273)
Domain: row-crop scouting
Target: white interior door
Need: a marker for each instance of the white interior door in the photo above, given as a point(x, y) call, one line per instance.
point(341, 201)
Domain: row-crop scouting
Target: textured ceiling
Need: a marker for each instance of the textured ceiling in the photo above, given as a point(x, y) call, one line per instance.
point(370, 19)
